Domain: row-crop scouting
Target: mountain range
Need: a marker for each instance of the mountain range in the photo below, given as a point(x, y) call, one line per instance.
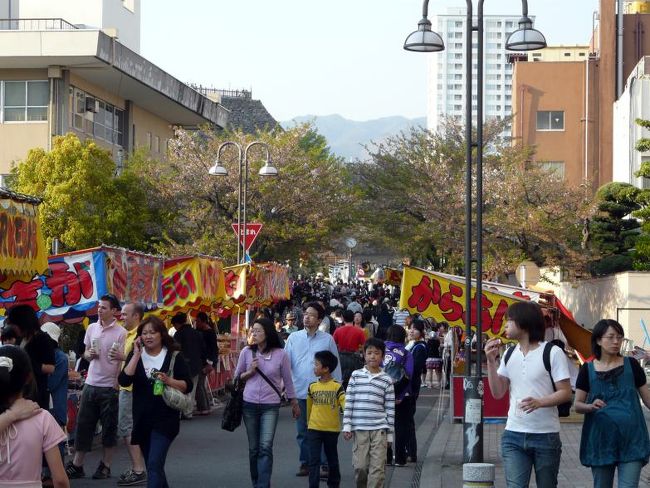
point(346, 138)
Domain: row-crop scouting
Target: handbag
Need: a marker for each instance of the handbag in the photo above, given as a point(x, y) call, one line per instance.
point(173, 397)
point(234, 409)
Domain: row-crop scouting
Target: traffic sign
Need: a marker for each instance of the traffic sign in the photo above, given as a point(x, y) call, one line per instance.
point(252, 230)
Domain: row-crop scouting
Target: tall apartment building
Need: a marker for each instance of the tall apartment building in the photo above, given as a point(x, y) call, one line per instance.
point(59, 76)
point(566, 110)
point(446, 86)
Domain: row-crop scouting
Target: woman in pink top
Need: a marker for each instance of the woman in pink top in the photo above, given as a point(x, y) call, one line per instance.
point(265, 367)
point(25, 435)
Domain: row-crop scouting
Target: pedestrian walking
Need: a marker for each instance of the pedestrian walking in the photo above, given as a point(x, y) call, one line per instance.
point(418, 349)
point(349, 340)
point(26, 431)
point(155, 424)
point(434, 356)
point(193, 349)
point(99, 397)
point(206, 328)
point(264, 365)
point(531, 438)
point(397, 358)
point(369, 416)
point(301, 346)
point(614, 433)
point(325, 401)
point(132, 315)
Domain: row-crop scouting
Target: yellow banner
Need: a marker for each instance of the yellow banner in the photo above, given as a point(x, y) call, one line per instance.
point(443, 298)
point(193, 283)
point(23, 251)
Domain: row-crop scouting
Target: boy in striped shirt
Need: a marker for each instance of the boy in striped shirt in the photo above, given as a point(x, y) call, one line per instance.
point(369, 416)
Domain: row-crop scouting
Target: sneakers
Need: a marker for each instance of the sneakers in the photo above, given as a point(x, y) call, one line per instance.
point(131, 478)
point(102, 472)
point(324, 472)
point(73, 471)
point(303, 471)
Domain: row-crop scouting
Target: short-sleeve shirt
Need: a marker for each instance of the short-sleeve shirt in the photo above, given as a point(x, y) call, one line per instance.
point(582, 382)
point(349, 338)
point(27, 441)
point(103, 371)
point(528, 378)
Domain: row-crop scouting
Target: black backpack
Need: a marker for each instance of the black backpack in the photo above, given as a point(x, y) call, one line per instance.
point(563, 409)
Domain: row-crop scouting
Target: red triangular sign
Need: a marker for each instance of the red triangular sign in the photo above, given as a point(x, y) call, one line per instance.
point(252, 230)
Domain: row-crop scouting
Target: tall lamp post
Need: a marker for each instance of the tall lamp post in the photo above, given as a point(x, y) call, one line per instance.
point(267, 170)
point(425, 40)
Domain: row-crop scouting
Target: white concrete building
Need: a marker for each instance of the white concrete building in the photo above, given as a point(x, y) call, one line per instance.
point(633, 104)
point(446, 84)
point(117, 18)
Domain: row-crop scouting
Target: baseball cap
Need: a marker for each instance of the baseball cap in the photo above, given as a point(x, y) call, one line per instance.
point(53, 330)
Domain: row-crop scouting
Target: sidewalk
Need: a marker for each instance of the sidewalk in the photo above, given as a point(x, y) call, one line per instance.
point(443, 464)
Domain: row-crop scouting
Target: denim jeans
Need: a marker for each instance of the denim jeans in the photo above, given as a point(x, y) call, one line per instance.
point(260, 421)
point(154, 451)
point(522, 451)
point(318, 441)
point(301, 437)
point(629, 475)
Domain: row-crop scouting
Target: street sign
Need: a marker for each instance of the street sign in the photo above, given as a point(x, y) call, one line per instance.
point(252, 230)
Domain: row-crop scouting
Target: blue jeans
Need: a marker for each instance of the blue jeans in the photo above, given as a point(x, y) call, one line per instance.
point(629, 475)
point(260, 421)
point(301, 437)
point(521, 452)
point(154, 451)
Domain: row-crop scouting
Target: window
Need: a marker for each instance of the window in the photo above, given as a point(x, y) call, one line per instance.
point(458, 97)
point(149, 141)
point(25, 101)
point(556, 167)
point(156, 146)
point(566, 55)
point(550, 120)
point(582, 55)
point(96, 117)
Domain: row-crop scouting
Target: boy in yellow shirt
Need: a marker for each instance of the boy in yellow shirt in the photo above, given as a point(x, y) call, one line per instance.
point(325, 402)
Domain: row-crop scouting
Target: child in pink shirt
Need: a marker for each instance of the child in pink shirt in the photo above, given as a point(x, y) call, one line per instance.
point(26, 432)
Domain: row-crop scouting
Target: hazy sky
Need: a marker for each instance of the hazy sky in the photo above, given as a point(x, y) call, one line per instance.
point(320, 57)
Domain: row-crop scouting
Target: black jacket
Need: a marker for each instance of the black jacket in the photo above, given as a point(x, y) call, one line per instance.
point(211, 348)
point(150, 411)
point(192, 347)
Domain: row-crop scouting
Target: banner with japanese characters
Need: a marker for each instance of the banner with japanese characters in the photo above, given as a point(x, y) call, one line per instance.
point(442, 297)
point(192, 283)
point(133, 276)
point(74, 283)
point(23, 252)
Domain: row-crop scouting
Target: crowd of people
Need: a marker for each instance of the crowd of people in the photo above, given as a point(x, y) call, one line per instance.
point(345, 359)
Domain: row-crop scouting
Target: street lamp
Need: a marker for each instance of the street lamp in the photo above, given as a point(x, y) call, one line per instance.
point(424, 40)
point(219, 170)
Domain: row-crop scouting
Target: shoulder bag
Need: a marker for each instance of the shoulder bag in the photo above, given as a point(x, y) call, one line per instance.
point(234, 409)
point(173, 397)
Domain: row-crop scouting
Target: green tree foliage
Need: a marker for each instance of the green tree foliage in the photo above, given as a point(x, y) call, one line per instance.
point(613, 233)
point(302, 209)
point(642, 247)
point(84, 203)
point(413, 200)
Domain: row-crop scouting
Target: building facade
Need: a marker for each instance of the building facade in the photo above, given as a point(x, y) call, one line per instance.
point(583, 93)
point(57, 77)
point(447, 80)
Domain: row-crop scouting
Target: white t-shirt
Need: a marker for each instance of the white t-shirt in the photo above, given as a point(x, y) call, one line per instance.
point(529, 378)
point(155, 362)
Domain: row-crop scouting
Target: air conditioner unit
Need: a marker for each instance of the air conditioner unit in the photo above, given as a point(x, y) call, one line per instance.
point(91, 105)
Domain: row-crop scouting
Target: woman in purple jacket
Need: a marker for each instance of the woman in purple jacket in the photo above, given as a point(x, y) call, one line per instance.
point(265, 367)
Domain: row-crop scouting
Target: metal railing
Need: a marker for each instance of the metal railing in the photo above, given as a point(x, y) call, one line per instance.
point(224, 93)
point(55, 24)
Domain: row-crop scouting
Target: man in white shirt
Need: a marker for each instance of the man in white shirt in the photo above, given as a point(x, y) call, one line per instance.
point(532, 434)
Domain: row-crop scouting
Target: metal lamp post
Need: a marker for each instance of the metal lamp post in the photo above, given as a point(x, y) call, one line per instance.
point(425, 40)
point(267, 170)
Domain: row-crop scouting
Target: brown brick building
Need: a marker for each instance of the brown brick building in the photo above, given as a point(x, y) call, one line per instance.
point(565, 109)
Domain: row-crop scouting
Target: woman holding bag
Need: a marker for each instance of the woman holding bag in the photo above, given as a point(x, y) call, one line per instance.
point(265, 367)
point(147, 368)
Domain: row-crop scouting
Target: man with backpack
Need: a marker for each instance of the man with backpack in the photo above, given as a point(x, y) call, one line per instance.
point(532, 434)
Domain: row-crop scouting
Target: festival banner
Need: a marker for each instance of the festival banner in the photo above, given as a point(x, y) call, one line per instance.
point(134, 277)
point(392, 276)
point(73, 285)
point(235, 278)
point(23, 252)
point(192, 283)
point(442, 298)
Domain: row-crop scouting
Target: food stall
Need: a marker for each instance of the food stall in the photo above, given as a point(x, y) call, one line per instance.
point(442, 297)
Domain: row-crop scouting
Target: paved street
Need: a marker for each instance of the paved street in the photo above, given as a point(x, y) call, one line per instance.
point(203, 455)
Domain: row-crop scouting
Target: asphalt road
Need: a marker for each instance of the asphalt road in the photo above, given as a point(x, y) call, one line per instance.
point(205, 456)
